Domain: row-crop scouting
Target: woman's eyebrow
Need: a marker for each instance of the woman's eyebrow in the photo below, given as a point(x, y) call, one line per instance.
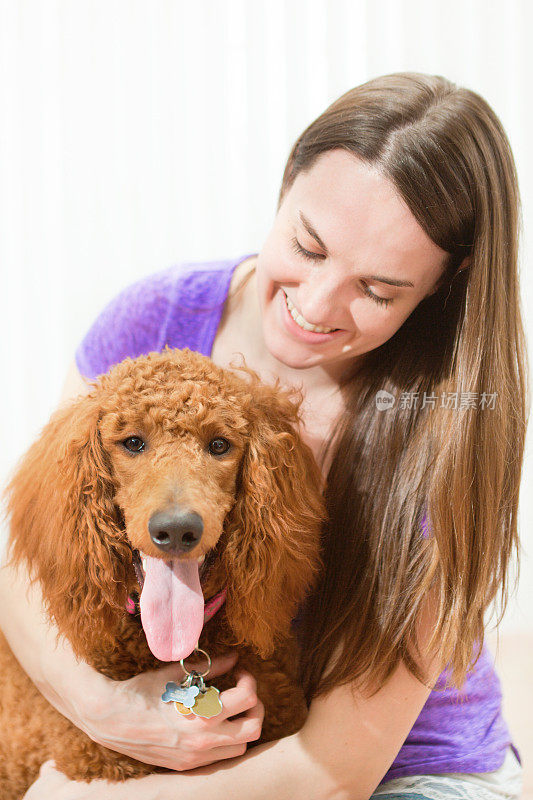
point(380, 278)
point(310, 230)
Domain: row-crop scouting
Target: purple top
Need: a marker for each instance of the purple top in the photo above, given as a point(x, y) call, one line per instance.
point(456, 731)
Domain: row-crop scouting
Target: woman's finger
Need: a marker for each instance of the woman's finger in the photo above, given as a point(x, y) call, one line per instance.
point(228, 742)
point(219, 753)
point(239, 698)
point(248, 727)
point(243, 729)
point(199, 759)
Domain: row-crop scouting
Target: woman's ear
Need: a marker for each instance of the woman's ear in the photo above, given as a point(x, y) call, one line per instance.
point(467, 260)
point(272, 554)
point(65, 525)
point(464, 263)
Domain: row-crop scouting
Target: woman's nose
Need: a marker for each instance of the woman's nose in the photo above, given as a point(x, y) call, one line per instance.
point(321, 300)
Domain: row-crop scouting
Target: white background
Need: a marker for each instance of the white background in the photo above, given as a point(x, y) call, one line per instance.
point(134, 135)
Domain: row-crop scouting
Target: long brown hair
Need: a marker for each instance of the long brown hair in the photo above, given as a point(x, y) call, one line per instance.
point(447, 154)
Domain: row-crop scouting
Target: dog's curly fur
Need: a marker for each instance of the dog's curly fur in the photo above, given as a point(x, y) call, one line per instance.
point(79, 504)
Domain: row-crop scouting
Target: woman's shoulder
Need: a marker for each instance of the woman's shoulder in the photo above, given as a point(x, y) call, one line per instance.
point(143, 315)
point(202, 283)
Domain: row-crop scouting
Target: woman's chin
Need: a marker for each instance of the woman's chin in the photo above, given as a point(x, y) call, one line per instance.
point(289, 353)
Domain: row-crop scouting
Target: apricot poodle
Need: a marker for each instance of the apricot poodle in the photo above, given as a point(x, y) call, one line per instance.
point(172, 472)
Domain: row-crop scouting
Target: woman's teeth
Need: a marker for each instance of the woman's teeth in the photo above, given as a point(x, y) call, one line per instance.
point(297, 317)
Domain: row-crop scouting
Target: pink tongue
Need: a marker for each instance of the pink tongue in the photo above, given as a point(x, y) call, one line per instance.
point(172, 607)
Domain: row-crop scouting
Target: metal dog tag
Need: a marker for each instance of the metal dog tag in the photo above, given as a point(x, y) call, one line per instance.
point(192, 696)
point(208, 703)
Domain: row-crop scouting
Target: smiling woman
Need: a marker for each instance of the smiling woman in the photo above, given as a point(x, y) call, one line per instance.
point(396, 183)
point(397, 231)
point(390, 272)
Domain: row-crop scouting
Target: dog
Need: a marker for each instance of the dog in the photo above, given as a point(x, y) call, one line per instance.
point(177, 482)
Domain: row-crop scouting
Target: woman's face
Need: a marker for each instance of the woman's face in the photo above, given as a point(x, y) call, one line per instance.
point(366, 232)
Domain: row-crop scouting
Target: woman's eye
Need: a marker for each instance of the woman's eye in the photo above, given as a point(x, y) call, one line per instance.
point(219, 446)
point(376, 298)
point(134, 444)
point(297, 247)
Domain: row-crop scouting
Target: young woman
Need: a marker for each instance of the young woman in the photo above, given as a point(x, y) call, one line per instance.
point(388, 291)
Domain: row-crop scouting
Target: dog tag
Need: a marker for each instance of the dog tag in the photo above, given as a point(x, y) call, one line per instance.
point(182, 709)
point(192, 696)
point(208, 703)
point(185, 695)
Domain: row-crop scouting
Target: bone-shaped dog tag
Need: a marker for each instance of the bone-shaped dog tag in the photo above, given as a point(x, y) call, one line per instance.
point(185, 695)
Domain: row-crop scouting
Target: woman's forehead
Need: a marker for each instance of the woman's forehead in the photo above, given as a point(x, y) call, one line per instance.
point(361, 218)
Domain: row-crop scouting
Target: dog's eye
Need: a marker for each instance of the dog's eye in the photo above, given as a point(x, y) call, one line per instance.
point(219, 446)
point(134, 444)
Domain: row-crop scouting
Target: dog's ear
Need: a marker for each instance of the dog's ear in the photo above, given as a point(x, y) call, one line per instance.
point(65, 526)
point(272, 554)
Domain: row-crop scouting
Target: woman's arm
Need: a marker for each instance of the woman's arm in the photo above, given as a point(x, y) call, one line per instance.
point(52, 668)
point(342, 752)
point(32, 640)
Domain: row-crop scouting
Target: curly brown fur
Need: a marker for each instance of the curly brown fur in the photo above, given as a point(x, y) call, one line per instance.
point(79, 504)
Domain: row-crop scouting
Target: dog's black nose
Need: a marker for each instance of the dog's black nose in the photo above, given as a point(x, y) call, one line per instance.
point(175, 531)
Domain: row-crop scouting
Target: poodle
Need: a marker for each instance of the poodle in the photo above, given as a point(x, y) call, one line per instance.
point(170, 472)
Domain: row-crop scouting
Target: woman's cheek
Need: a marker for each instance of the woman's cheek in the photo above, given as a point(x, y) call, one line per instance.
point(376, 328)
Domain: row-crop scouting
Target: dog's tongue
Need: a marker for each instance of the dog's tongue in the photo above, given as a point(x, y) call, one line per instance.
point(172, 607)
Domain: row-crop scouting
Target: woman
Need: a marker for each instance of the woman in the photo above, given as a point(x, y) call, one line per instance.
point(396, 237)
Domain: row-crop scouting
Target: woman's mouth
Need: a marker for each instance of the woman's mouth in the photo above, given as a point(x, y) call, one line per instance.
point(303, 329)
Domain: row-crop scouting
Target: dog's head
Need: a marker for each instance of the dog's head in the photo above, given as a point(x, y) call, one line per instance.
point(200, 471)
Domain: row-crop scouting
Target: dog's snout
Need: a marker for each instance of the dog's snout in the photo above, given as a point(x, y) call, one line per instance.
point(175, 531)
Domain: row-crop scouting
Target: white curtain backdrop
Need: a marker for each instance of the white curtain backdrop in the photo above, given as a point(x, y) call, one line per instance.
point(136, 134)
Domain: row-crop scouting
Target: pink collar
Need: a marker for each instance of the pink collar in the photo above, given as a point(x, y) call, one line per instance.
point(213, 605)
point(210, 608)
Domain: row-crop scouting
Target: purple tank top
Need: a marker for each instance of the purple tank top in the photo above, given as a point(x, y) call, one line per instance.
point(457, 730)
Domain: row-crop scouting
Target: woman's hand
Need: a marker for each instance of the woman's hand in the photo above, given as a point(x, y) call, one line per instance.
point(138, 724)
point(131, 718)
